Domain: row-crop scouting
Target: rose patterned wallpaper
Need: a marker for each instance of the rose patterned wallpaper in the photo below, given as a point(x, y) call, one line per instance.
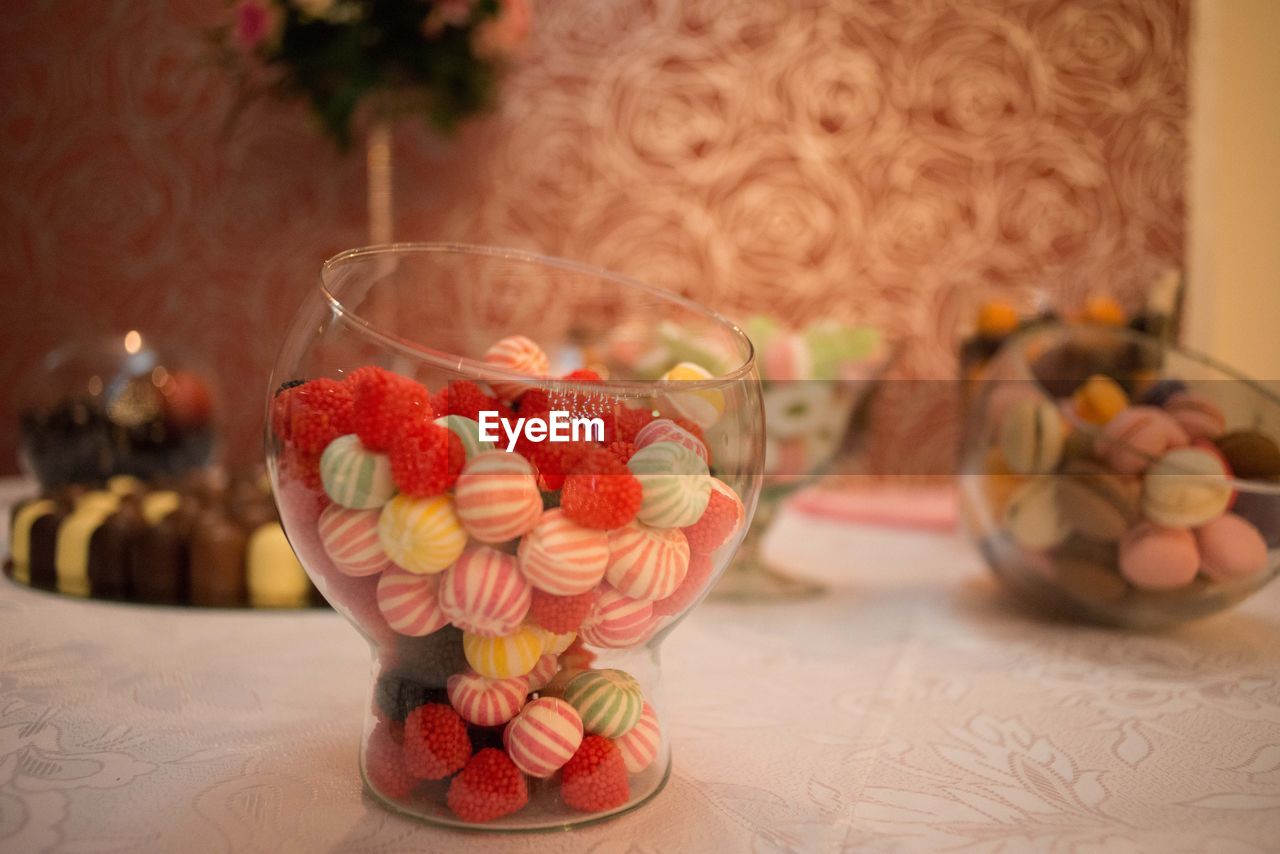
point(893, 161)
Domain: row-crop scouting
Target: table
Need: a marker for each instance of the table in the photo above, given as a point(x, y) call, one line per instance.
point(913, 707)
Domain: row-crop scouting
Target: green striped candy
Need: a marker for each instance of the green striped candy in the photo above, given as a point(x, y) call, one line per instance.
point(468, 433)
point(355, 477)
point(608, 701)
point(674, 482)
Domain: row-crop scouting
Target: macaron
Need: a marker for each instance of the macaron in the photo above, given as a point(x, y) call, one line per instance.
point(1137, 436)
point(1197, 414)
point(1087, 572)
point(1185, 488)
point(1230, 548)
point(1032, 517)
point(1251, 455)
point(1031, 437)
point(1099, 399)
point(1156, 558)
point(1097, 503)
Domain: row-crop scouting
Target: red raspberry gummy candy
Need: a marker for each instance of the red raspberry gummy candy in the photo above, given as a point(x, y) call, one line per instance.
point(385, 404)
point(601, 492)
point(560, 614)
point(490, 787)
point(435, 741)
point(426, 459)
point(385, 765)
point(595, 778)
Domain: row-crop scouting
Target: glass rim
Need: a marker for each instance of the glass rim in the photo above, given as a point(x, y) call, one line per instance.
point(485, 370)
point(1018, 345)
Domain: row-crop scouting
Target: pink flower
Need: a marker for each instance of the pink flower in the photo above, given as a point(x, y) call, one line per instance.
point(256, 22)
point(502, 35)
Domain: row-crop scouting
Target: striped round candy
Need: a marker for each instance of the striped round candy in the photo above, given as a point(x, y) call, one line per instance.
point(487, 702)
point(350, 539)
point(468, 433)
point(503, 657)
point(421, 535)
point(639, 747)
point(410, 603)
point(702, 407)
point(355, 477)
point(543, 737)
point(497, 497)
point(666, 430)
point(561, 557)
point(617, 621)
point(609, 701)
point(674, 482)
point(516, 353)
point(484, 592)
point(647, 563)
point(543, 671)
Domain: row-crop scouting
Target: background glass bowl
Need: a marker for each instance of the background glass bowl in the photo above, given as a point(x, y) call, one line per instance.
point(429, 312)
point(1063, 570)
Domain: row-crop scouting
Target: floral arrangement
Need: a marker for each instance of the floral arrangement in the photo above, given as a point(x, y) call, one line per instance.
point(440, 59)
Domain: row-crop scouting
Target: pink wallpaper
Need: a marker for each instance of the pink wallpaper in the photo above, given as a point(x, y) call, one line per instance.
point(887, 160)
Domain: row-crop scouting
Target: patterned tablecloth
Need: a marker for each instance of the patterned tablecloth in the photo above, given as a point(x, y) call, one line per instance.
point(912, 708)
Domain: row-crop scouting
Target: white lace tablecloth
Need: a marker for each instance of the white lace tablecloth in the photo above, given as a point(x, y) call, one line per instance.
point(913, 708)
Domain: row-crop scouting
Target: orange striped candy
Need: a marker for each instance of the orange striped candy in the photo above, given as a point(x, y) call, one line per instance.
point(647, 563)
point(516, 353)
point(497, 497)
point(561, 557)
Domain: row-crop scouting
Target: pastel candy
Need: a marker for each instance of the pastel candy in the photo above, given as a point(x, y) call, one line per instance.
point(543, 672)
point(468, 432)
point(617, 621)
point(703, 406)
point(422, 535)
point(355, 477)
point(1097, 503)
point(1230, 548)
point(609, 701)
point(1137, 436)
point(503, 657)
point(484, 593)
point(647, 563)
point(1032, 516)
point(1197, 414)
point(487, 702)
point(561, 557)
point(543, 737)
point(516, 353)
point(1156, 558)
point(1186, 488)
point(639, 745)
point(410, 603)
point(674, 482)
point(1031, 437)
point(666, 430)
point(497, 497)
point(350, 539)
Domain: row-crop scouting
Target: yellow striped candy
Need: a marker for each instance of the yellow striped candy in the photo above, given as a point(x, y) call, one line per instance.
point(503, 657)
point(703, 407)
point(422, 535)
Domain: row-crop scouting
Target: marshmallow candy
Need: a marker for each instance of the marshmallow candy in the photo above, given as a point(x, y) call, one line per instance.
point(421, 535)
point(497, 497)
point(561, 557)
point(355, 477)
point(543, 737)
point(350, 539)
point(675, 484)
point(647, 563)
point(484, 593)
point(487, 702)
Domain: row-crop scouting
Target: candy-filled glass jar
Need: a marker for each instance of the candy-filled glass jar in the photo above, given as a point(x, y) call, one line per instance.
point(1116, 480)
point(513, 520)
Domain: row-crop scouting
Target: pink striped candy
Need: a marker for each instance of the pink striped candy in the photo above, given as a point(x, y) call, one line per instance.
point(543, 671)
point(617, 621)
point(410, 603)
point(350, 538)
point(561, 557)
point(496, 497)
point(647, 563)
point(639, 745)
point(666, 430)
point(484, 593)
point(543, 737)
point(516, 353)
point(486, 702)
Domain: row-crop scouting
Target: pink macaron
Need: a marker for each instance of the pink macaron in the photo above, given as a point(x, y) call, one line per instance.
point(1156, 558)
point(1136, 437)
point(1230, 548)
point(1197, 414)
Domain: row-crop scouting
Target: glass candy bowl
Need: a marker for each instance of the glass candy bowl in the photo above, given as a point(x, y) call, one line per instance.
point(514, 591)
point(1111, 479)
